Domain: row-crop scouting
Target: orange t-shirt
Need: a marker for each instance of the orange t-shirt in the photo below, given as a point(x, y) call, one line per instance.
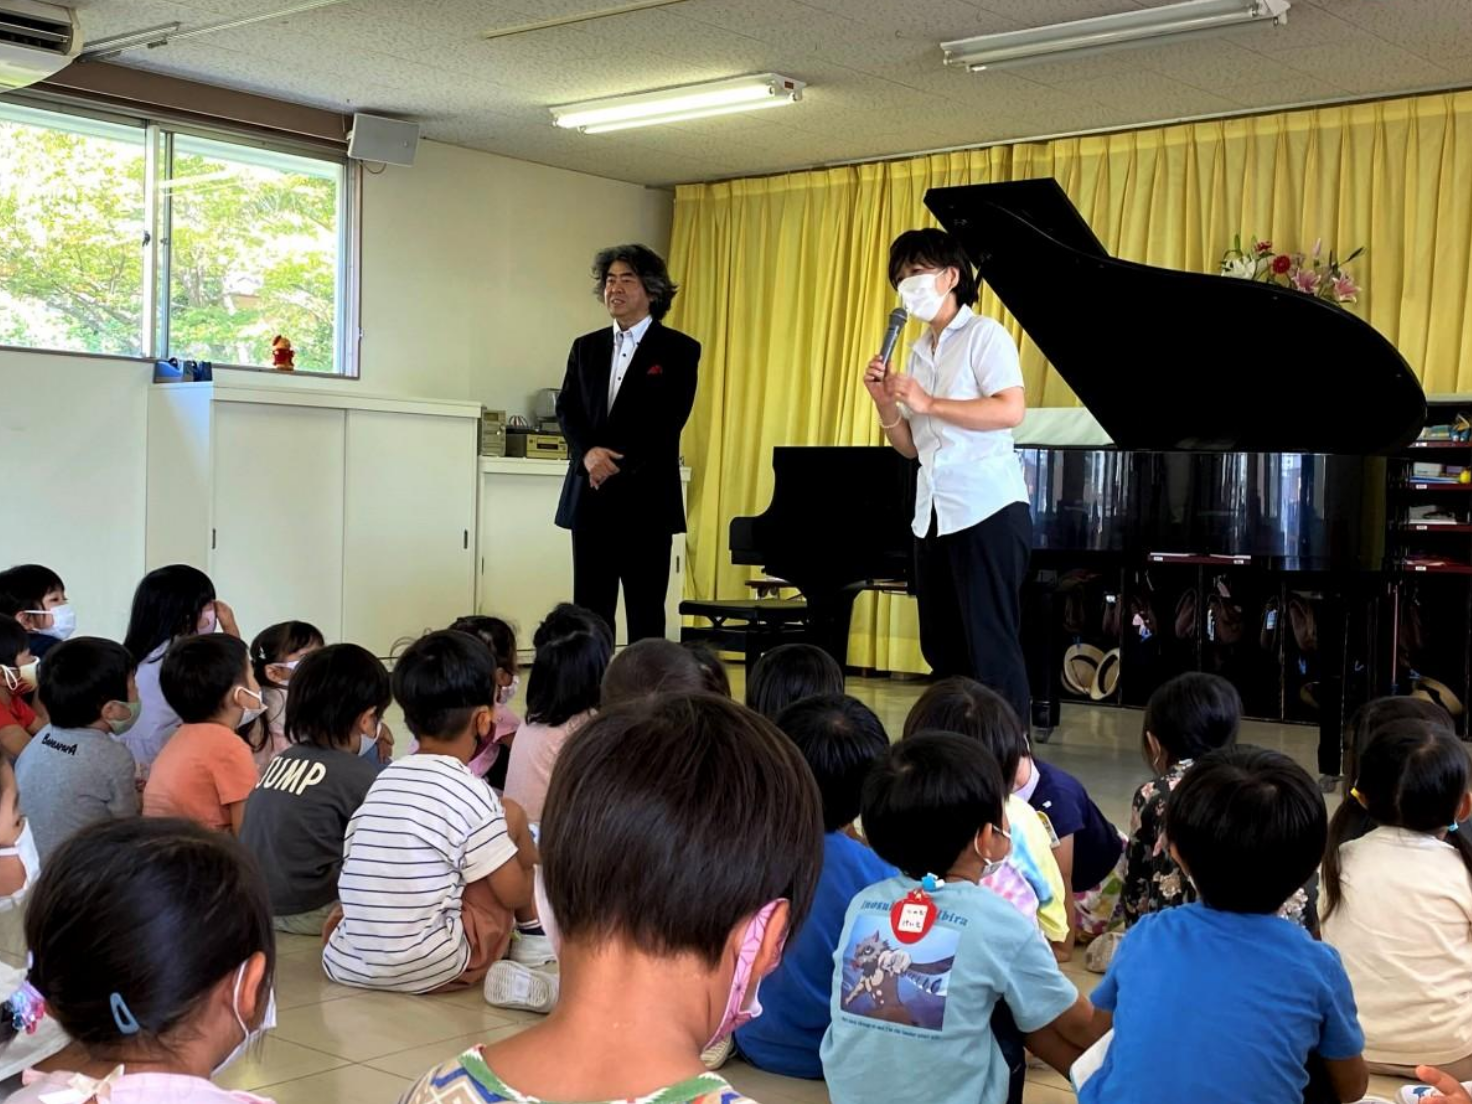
point(202, 769)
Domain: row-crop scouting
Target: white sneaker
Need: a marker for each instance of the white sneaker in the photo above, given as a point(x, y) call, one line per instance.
point(1414, 1094)
point(512, 985)
point(718, 1054)
point(531, 950)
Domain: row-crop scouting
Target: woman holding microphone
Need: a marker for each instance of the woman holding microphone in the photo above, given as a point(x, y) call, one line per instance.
point(954, 411)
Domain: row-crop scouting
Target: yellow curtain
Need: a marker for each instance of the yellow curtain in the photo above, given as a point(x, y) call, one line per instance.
point(783, 278)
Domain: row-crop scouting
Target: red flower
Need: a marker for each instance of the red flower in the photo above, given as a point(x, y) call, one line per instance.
point(656, 370)
point(1264, 248)
point(1282, 263)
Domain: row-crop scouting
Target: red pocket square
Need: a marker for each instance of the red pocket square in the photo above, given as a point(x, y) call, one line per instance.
point(655, 370)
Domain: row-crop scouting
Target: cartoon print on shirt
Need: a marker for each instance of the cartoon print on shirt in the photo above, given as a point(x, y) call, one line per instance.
point(883, 980)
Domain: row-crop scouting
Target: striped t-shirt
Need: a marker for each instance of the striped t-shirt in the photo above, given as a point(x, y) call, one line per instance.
point(426, 830)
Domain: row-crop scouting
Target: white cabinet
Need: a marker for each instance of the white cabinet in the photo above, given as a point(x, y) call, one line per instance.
point(410, 525)
point(526, 561)
point(354, 512)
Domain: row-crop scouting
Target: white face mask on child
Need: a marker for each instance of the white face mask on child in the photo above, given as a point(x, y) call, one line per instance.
point(268, 1022)
point(250, 712)
point(368, 745)
point(23, 849)
point(63, 621)
point(507, 693)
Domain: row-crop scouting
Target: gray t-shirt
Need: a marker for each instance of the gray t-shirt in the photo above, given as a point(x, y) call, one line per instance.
point(69, 778)
point(296, 818)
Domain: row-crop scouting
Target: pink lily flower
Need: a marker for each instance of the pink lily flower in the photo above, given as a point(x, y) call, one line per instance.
point(1346, 290)
point(1306, 280)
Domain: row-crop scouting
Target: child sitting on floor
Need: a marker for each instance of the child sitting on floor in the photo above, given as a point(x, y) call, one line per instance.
point(76, 773)
point(926, 957)
point(274, 656)
point(1187, 717)
point(789, 673)
point(1398, 899)
point(649, 667)
point(967, 708)
point(1223, 999)
point(573, 650)
point(1089, 849)
point(19, 721)
point(436, 873)
point(841, 739)
point(296, 818)
point(151, 946)
point(668, 917)
point(205, 772)
point(40, 605)
point(493, 759)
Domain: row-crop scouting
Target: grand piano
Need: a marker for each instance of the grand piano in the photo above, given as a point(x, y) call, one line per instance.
point(1250, 427)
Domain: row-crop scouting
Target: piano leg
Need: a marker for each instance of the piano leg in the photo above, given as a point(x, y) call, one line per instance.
point(828, 621)
point(1039, 641)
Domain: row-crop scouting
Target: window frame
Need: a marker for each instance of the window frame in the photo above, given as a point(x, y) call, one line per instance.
point(159, 131)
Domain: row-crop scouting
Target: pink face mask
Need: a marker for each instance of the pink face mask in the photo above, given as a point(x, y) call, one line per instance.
point(743, 1004)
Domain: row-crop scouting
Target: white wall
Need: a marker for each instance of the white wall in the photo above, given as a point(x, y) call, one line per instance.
point(474, 281)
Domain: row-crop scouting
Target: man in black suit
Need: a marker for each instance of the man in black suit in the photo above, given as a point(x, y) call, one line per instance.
point(628, 391)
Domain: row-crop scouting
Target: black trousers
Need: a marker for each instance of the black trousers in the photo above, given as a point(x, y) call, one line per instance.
point(603, 556)
point(970, 589)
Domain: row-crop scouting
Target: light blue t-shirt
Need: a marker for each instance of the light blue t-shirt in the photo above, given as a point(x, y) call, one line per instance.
point(913, 1021)
point(785, 1038)
point(1220, 1008)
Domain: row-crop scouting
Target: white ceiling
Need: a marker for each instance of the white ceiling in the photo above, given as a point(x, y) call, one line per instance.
point(876, 85)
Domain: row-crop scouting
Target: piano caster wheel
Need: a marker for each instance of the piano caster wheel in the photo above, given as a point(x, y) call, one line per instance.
point(1042, 735)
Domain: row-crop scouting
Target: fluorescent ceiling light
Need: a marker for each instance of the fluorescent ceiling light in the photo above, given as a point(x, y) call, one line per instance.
point(673, 105)
point(1132, 28)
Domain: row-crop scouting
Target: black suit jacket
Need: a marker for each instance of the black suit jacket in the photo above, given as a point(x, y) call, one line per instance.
point(653, 404)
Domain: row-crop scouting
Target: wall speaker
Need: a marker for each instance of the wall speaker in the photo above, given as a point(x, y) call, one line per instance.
point(375, 138)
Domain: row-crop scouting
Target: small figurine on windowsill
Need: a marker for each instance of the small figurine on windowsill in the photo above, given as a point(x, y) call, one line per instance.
point(283, 359)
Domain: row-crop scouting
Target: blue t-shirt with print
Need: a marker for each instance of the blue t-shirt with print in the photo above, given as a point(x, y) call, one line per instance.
point(1220, 1008)
point(913, 1020)
point(795, 997)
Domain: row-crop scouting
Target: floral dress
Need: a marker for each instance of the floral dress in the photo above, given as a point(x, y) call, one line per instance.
point(1154, 881)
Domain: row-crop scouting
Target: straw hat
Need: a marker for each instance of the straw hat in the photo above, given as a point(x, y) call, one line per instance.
point(1080, 664)
point(1430, 689)
point(1107, 679)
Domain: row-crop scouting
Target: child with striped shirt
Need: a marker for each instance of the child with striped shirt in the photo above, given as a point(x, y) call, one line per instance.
point(437, 872)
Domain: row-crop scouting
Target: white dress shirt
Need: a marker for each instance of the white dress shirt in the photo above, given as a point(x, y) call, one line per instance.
point(624, 344)
point(966, 475)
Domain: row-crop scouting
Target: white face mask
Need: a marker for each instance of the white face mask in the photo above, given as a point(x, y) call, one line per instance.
point(921, 297)
point(991, 866)
point(251, 712)
point(268, 1022)
point(508, 693)
point(368, 745)
point(25, 850)
point(63, 621)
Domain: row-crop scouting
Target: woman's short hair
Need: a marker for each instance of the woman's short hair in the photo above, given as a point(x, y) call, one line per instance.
point(934, 249)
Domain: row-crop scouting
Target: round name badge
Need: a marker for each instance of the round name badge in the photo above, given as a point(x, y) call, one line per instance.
point(913, 916)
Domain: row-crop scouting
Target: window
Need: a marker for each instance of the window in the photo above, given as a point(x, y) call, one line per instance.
point(141, 239)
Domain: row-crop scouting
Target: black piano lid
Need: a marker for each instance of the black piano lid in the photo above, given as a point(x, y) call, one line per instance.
point(1182, 360)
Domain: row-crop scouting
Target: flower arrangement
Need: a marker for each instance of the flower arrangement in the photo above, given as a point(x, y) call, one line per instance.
point(1308, 273)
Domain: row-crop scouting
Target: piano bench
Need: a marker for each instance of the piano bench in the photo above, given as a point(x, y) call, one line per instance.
point(750, 626)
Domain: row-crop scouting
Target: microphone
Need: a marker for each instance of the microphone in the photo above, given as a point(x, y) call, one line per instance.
point(897, 318)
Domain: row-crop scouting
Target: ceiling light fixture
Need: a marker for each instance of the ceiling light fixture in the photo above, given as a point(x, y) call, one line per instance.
point(675, 105)
point(1060, 41)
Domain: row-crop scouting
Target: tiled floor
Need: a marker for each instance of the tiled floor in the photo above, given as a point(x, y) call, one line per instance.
point(335, 1045)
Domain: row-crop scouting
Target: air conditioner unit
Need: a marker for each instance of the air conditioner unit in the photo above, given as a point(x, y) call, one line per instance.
point(36, 41)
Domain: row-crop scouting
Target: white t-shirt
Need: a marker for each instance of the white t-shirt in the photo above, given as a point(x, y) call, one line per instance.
point(966, 475)
point(157, 720)
point(1404, 930)
point(426, 830)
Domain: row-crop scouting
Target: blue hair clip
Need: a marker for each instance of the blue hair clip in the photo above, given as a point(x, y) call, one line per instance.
point(122, 1015)
point(928, 883)
point(1454, 828)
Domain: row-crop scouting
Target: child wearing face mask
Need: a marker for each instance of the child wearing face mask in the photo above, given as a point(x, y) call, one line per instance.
point(926, 957)
point(152, 948)
point(297, 816)
point(19, 720)
point(205, 772)
point(170, 603)
point(274, 656)
point(492, 759)
point(75, 772)
point(662, 949)
point(36, 597)
point(429, 821)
